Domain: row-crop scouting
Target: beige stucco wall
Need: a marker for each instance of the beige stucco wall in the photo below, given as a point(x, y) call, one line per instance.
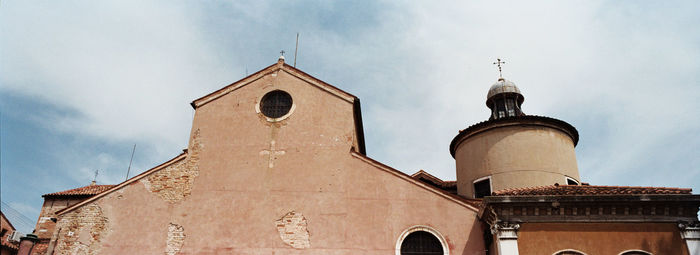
point(600, 238)
point(515, 156)
point(238, 201)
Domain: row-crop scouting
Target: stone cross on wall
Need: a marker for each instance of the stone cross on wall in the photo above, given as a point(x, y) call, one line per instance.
point(272, 154)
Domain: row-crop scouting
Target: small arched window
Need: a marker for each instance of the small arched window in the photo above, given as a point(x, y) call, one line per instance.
point(635, 252)
point(571, 181)
point(421, 240)
point(569, 252)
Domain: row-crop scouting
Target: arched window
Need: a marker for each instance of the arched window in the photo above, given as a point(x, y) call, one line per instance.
point(421, 240)
point(635, 252)
point(571, 181)
point(569, 252)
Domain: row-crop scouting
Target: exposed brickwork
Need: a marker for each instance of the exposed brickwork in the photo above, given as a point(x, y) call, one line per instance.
point(82, 230)
point(175, 182)
point(292, 229)
point(176, 238)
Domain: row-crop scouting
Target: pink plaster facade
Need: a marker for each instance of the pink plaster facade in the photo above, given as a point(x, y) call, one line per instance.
point(246, 175)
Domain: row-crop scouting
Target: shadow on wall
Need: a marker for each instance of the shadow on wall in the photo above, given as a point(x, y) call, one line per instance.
point(664, 245)
point(475, 243)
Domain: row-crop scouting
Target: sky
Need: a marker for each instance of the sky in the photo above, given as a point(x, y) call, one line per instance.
point(81, 82)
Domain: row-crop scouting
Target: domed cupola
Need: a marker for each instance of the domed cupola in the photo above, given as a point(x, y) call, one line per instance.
point(504, 99)
point(513, 150)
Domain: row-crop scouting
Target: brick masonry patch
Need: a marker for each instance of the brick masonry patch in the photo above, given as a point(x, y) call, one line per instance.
point(293, 231)
point(175, 182)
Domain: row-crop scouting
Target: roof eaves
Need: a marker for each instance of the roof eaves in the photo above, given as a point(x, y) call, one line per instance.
point(513, 121)
point(592, 198)
point(84, 191)
point(319, 83)
point(119, 186)
point(233, 86)
point(457, 199)
point(8, 220)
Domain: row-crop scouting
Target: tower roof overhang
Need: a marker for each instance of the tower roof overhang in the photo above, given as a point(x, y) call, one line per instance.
point(525, 120)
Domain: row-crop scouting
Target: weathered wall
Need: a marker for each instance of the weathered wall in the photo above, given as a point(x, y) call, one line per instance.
point(81, 231)
point(600, 238)
point(515, 157)
point(287, 187)
point(5, 231)
point(45, 226)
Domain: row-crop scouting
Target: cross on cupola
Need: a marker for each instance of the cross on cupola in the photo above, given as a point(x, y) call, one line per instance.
point(504, 98)
point(499, 63)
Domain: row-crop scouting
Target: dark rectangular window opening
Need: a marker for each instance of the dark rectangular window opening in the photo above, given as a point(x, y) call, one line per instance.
point(570, 181)
point(482, 188)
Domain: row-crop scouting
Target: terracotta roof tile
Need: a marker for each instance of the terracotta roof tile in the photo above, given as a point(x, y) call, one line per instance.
point(578, 190)
point(89, 190)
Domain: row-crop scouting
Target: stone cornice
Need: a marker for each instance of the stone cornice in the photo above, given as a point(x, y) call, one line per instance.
point(608, 208)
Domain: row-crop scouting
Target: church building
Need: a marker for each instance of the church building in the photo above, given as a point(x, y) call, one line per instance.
point(276, 164)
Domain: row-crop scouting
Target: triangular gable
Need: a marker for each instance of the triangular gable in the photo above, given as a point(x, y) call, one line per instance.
point(281, 66)
point(127, 182)
point(470, 204)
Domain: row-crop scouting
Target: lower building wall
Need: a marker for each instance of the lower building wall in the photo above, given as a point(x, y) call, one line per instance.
point(600, 238)
point(7, 251)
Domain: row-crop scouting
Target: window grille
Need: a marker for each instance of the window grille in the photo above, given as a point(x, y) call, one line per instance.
point(276, 104)
point(421, 242)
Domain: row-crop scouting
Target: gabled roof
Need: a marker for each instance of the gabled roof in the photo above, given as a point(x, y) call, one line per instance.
point(472, 204)
point(449, 186)
point(281, 66)
point(120, 185)
point(7, 220)
point(3, 240)
point(89, 190)
point(583, 190)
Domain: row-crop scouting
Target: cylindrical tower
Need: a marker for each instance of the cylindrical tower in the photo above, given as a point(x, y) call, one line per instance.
point(513, 150)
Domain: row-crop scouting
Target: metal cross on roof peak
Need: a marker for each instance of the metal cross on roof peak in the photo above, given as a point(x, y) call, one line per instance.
point(499, 62)
point(282, 52)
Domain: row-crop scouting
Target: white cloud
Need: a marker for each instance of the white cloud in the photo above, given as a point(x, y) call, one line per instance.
point(624, 74)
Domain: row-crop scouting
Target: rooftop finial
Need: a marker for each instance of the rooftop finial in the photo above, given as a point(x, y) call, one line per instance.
point(499, 62)
point(281, 55)
point(94, 180)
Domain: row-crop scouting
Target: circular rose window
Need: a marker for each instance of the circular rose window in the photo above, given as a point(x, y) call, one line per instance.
point(276, 104)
